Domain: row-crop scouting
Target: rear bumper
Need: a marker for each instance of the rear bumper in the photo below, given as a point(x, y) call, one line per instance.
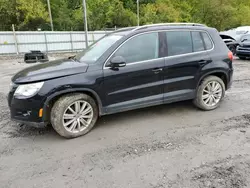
point(230, 79)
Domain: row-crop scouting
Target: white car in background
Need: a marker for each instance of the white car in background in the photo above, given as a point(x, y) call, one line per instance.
point(241, 31)
point(237, 33)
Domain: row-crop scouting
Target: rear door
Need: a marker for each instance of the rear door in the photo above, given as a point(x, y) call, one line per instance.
point(186, 54)
point(140, 82)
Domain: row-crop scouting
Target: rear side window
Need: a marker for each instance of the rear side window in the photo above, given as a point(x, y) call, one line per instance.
point(183, 42)
point(207, 41)
point(198, 44)
point(179, 42)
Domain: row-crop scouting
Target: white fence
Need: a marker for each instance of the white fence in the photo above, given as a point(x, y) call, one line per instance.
point(23, 41)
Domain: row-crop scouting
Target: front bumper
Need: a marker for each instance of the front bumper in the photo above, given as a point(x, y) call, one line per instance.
point(32, 124)
point(244, 53)
point(26, 111)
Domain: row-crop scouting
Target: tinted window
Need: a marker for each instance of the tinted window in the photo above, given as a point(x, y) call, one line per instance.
point(140, 48)
point(198, 44)
point(179, 42)
point(207, 40)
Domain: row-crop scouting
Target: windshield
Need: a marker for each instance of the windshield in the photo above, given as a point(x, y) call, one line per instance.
point(245, 38)
point(95, 51)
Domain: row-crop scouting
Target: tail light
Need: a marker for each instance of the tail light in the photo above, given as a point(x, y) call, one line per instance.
point(230, 55)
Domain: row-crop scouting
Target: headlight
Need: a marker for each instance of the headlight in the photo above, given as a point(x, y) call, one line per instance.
point(28, 90)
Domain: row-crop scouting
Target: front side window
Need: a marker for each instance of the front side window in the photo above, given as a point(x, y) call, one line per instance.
point(140, 48)
point(179, 42)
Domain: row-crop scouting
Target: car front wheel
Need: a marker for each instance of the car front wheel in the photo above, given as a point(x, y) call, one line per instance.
point(232, 48)
point(74, 115)
point(210, 93)
point(242, 58)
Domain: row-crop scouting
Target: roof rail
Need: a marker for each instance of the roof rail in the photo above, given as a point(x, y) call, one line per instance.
point(125, 29)
point(168, 24)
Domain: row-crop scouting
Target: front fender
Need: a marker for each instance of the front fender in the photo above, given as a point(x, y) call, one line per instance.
point(49, 99)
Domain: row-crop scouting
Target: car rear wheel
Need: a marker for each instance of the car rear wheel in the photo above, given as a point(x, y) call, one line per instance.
point(74, 115)
point(210, 93)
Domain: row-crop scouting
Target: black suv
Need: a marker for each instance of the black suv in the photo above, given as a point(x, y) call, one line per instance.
point(128, 69)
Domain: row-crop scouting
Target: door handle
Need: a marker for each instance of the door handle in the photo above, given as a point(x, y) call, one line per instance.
point(157, 70)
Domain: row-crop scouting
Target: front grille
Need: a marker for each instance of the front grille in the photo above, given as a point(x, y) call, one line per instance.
point(244, 48)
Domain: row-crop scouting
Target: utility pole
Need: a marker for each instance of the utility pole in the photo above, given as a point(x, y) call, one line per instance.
point(138, 13)
point(85, 22)
point(15, 38)
point(50, 16)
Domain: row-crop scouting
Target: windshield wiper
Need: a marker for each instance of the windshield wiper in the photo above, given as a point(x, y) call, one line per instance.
point(244, 40)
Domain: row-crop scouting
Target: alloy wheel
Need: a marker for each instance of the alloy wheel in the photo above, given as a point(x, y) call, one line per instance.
point(77, 116)
point(212, 94)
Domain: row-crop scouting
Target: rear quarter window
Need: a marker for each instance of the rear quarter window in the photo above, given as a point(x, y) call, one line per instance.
point(207, 41)
point(198, 44)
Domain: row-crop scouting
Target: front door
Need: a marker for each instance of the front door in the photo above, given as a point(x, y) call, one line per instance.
point(140, 82)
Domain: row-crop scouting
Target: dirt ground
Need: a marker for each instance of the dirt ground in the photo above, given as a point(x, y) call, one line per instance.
point(168, 146)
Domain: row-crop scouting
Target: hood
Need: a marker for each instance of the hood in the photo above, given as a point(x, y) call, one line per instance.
point(245, 44)
point(50, 70)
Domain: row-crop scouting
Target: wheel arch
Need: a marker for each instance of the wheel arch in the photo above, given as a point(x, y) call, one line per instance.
point(219, 73)
point(54, 97)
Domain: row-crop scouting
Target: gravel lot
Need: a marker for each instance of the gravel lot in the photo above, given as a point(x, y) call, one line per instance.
point(174, 145)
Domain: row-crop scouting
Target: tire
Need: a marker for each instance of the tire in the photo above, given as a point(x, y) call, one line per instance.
point(242, 58)
point(232, 48)
point(199, 102)
point(61, 107)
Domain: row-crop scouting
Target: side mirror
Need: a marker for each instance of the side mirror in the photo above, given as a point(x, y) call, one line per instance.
point(117, 61)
